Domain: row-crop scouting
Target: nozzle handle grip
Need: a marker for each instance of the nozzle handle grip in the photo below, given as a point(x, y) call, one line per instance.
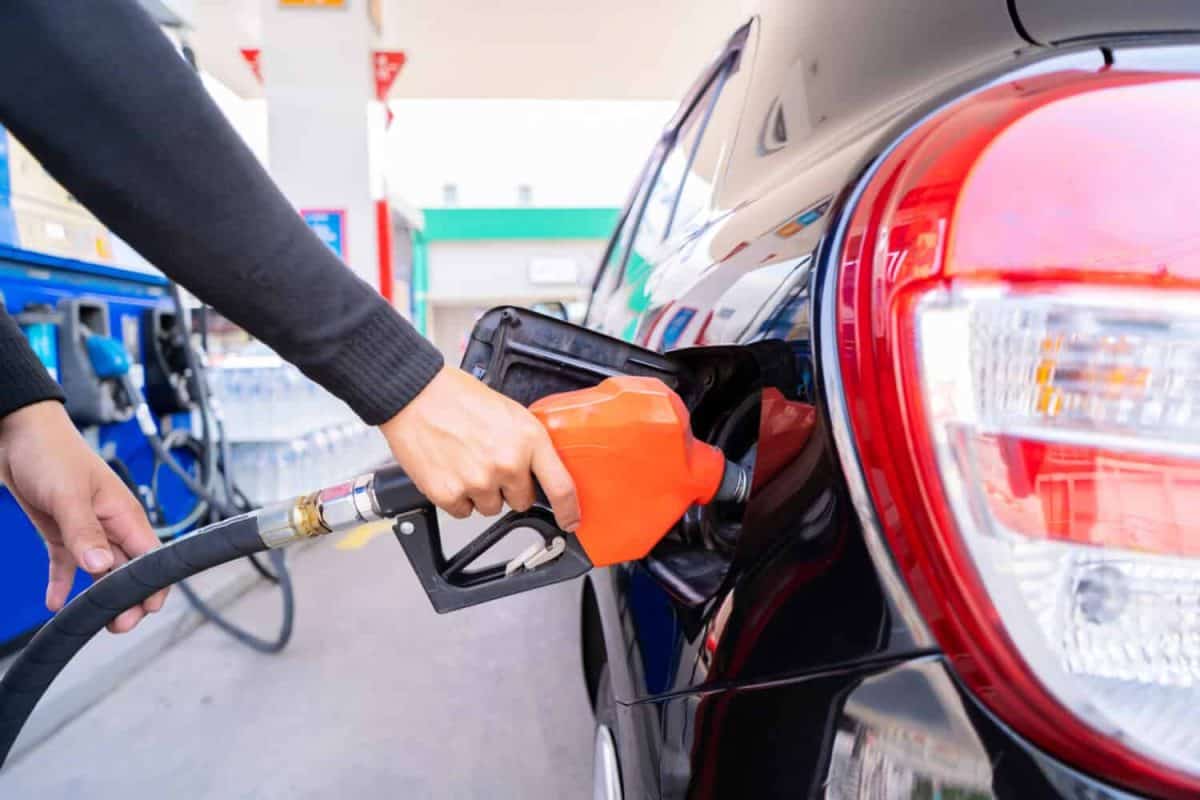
point(396, 494)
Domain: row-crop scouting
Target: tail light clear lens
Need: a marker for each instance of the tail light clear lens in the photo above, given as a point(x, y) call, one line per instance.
point(1018, 317)
point(1066, 427)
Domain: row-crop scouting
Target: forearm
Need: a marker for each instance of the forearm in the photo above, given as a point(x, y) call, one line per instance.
point(97, 93)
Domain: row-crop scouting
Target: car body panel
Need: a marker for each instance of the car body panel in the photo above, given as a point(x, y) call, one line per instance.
point(1050, 21)
point(887, 730)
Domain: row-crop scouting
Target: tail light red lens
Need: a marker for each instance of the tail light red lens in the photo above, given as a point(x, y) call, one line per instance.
point(1019, 329)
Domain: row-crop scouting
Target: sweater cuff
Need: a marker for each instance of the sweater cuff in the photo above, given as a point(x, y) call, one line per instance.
point(24, 377)
point(381, 368)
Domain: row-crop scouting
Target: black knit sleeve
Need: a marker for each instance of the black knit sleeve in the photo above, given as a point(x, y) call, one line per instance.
point(23, 378)
point(102, 99)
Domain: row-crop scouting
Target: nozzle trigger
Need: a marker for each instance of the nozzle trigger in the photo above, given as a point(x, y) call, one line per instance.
point(453, 583)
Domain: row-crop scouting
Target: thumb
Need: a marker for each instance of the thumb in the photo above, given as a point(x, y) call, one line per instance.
point(82, 533)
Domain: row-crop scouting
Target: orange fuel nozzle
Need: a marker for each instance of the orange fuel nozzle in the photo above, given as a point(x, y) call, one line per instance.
point(628, 444)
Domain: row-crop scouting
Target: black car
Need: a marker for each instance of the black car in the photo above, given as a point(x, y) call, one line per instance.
point(940, 264)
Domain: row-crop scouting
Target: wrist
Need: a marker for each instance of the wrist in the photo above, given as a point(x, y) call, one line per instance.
point(34, 415)
point(393, 422)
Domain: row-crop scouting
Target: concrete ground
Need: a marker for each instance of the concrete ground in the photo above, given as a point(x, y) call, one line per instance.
point(375, 697)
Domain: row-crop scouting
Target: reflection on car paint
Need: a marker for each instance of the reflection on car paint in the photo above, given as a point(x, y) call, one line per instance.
point(651, 612)
point(803, 219)
point(747, 298)
point(679, 321)
point(784, 429)
point(904, 734)
point(791, 318)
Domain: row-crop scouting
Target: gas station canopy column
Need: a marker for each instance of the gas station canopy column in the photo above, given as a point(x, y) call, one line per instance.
point(324, 130)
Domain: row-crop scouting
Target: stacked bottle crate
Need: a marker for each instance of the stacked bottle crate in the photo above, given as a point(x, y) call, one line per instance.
point(289, 436)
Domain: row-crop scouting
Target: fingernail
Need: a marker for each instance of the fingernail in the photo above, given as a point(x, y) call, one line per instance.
point(572, 527)
point(97, 559)
point(155, 603)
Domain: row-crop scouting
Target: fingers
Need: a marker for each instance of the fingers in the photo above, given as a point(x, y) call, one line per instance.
point(82, 533)
point(99, 533)
point(518, 493)
point(127, 619)
point(556, 482)
point(515, 480)
point(62, 577)
point(450, 496)
point(62, 563)
point(154, 602)
point(122, 516)
point(127, 528)
point(507, 478)
point(488, 502)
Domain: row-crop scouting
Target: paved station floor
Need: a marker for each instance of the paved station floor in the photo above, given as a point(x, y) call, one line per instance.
point(375, 697)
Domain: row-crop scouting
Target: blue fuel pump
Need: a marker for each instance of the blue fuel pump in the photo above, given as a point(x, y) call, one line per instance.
point(50, 297)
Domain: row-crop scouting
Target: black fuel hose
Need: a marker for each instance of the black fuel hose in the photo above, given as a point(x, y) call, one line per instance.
point(281, 576)
point(68, 631)
point(218, 451)
point(194, 486)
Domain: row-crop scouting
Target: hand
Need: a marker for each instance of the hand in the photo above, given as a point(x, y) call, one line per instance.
point(466, 446)
point(81, 508)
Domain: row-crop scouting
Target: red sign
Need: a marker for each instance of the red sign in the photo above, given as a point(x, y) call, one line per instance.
point(383, 231)
point(387, 64)
point(251, 54)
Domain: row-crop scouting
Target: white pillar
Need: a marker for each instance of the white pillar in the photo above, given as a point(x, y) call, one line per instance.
point(322, 149)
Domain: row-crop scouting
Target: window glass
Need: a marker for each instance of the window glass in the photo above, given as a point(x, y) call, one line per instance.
point(677, 197)
point(611, 269)
point(671, 202)
point(699, 141)
point(676, 192)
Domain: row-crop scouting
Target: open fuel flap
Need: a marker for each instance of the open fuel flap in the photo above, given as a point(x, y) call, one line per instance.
point(527, 356)
point(534, 359)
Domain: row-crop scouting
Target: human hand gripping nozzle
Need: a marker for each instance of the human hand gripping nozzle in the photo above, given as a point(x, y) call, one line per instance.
point(628, 445)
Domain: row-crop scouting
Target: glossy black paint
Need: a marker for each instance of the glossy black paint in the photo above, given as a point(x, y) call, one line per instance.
point(793, 666)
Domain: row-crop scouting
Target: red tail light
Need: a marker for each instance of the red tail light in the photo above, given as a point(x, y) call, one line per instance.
point(1018, 317)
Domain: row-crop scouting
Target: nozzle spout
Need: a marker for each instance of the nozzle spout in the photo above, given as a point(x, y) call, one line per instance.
point(735, 484)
